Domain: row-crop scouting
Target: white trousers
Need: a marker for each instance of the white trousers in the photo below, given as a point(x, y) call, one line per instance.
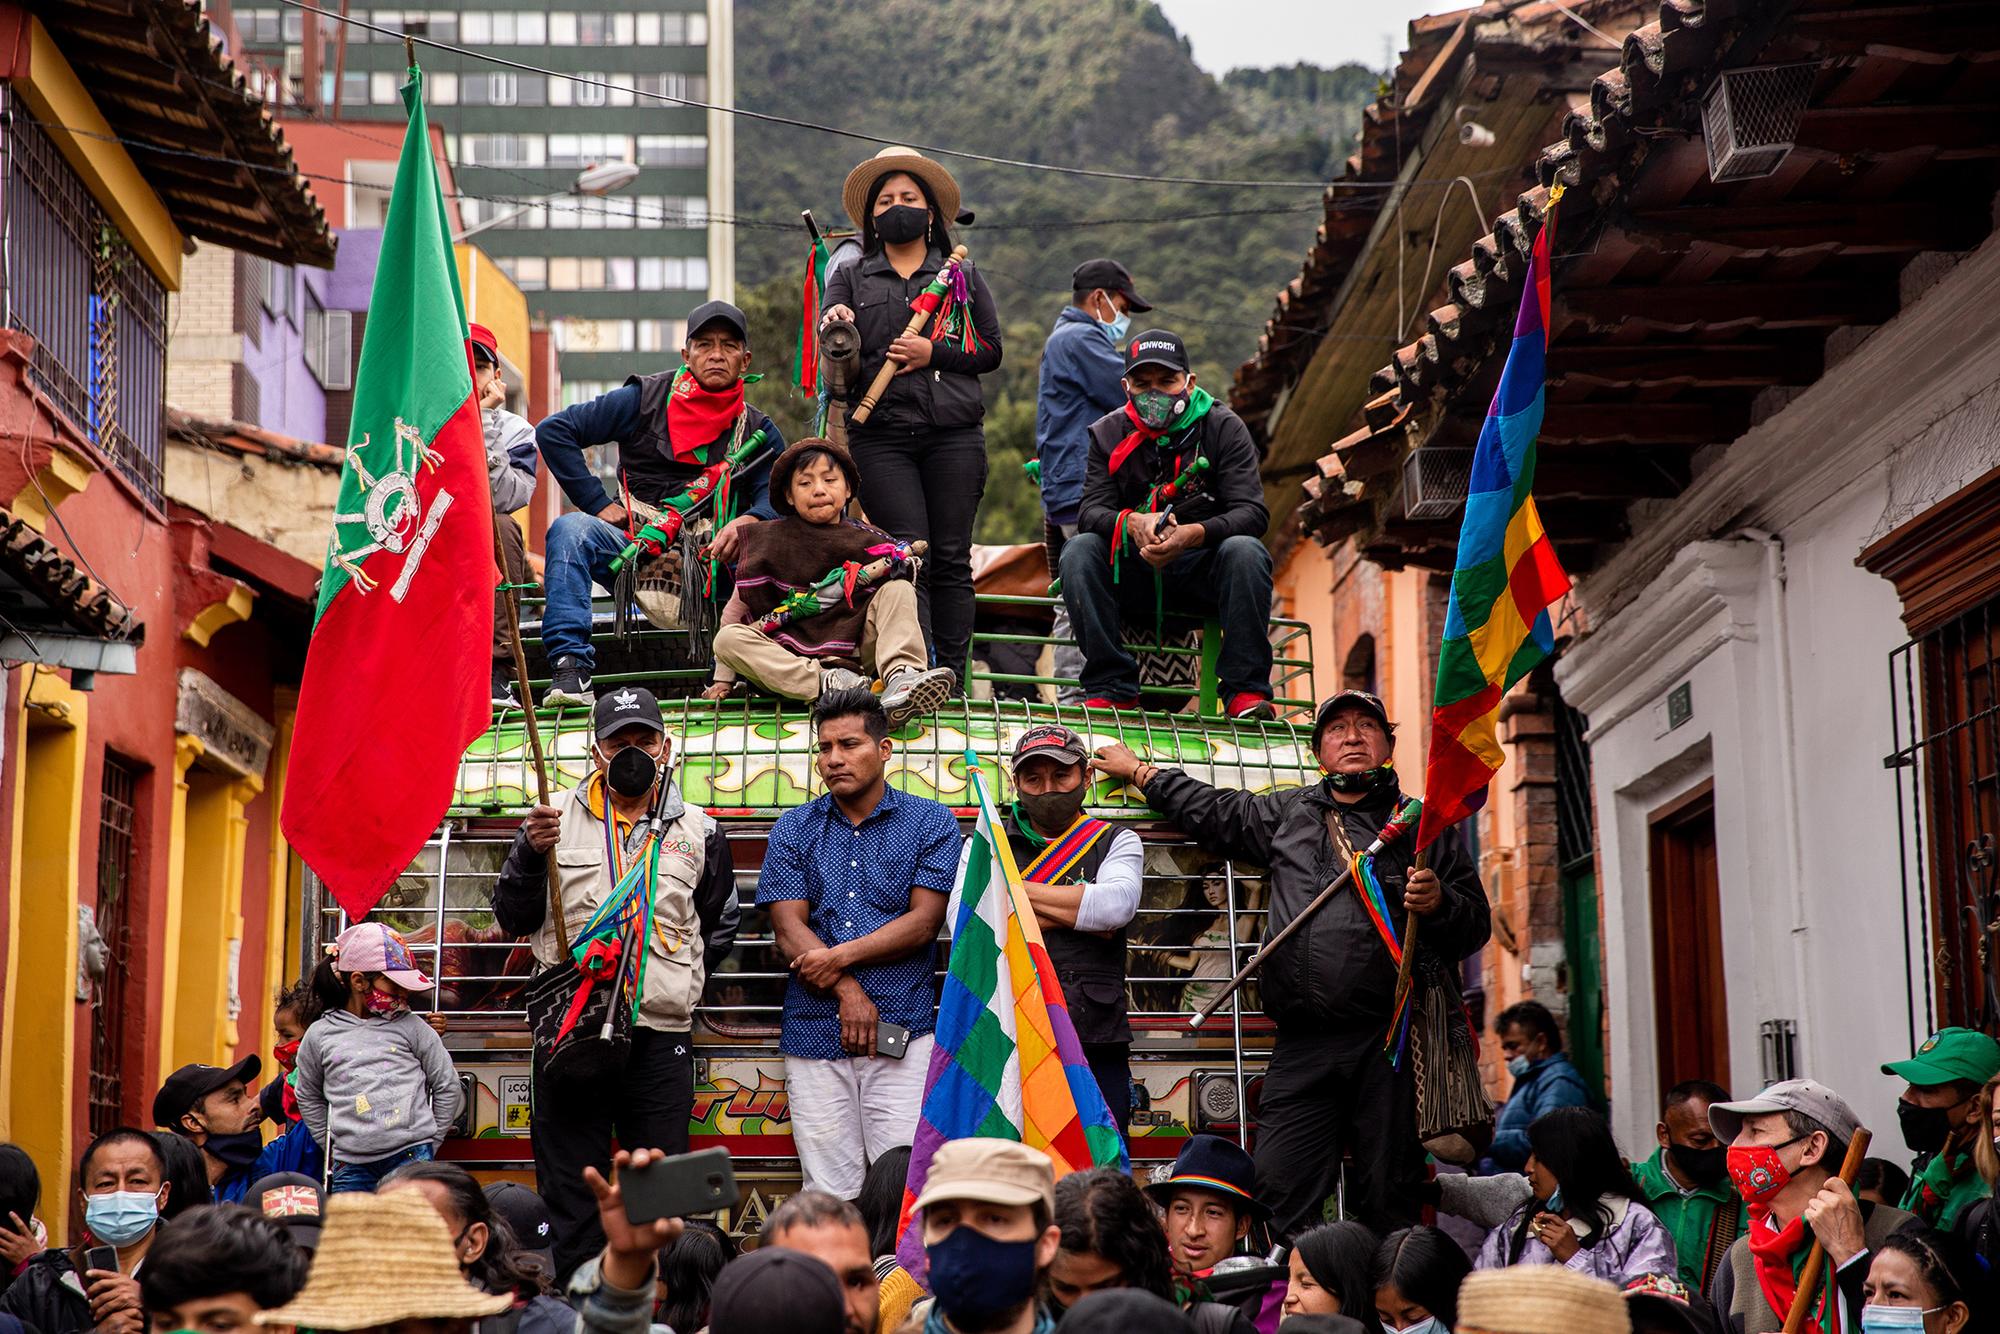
point(847, 1113)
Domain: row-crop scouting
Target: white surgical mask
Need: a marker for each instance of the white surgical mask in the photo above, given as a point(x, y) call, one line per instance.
point(1430, 1324)
point(1885, 1319)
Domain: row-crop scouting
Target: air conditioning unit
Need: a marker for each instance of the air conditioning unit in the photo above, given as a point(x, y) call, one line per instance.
point(1436, 481)
point(1749, 118)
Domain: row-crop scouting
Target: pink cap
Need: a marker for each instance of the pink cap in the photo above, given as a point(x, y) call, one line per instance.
point(371, 947)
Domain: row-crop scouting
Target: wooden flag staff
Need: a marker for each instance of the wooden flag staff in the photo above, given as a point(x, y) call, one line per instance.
point(513, 614)
point(1802, 1297)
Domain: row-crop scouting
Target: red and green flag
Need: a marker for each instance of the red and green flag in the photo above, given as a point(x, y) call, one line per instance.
point(396, 677)
point(811, 295)
point(1505, 578)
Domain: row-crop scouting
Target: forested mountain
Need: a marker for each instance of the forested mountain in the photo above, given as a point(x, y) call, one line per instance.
point(1102, 84)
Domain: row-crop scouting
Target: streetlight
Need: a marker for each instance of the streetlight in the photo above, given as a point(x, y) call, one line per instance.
point(596, 181)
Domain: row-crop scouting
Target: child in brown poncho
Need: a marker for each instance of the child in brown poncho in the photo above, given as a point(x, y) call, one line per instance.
point(876, 631)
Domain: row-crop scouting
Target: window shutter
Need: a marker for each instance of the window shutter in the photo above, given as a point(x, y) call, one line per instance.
point(337, 354)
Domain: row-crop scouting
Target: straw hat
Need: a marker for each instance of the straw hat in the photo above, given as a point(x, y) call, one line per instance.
point(1539, 1299)
point(381, 1259)
point(944, 190)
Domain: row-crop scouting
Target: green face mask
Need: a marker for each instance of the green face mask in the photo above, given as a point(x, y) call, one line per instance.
point(1157, 410)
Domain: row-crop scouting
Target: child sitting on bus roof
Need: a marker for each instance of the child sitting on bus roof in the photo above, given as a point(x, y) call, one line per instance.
point(778, 636)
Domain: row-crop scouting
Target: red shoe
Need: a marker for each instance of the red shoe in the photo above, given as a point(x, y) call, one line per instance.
point(1102, 703)
point(1247, 705)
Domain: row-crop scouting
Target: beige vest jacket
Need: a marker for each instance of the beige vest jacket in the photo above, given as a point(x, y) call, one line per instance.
point(673, 969)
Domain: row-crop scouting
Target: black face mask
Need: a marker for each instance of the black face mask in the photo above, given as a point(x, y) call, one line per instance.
point(1051, 810)
point(1925, 1129)
point(632, 772)
point(1704, 1167)
point(1382, 778)
point(902, 223)
point(234, 1151)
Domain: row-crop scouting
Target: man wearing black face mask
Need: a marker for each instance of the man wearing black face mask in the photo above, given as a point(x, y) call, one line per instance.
point(595, 832)
point(1939, 1112)
point(1331, 987)
point(1083, 878)
point(213, 1108)
point(1686, 1183)
point(989, 1233)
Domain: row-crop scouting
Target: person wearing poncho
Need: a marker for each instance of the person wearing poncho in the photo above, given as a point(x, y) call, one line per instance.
point(669, 427)
point(1172, 520)
point(869, 626)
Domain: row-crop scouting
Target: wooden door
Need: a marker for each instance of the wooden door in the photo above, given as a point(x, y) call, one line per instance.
point(1690, 1000)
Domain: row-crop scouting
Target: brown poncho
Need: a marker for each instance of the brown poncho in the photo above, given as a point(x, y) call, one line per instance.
point(783, 555)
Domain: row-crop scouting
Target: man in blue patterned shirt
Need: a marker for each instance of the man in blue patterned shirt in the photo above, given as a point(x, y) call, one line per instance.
point(856, 882)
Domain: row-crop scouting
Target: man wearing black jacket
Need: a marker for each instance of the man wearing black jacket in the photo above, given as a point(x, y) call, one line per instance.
point(1172, 519)
point(1331, 988)
point(668, 427)
point(692, 929)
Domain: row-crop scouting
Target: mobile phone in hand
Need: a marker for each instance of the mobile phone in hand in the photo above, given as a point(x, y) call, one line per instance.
point(100, 1257)
point(688, 1183)
point(891, 1040)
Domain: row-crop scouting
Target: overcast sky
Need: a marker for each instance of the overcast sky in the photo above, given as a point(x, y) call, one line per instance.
point(1231, 34)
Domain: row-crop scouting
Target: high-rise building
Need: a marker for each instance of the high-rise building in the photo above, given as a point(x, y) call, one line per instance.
point(614, 274)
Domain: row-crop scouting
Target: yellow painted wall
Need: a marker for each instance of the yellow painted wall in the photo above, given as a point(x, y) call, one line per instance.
point(187, 750)
point(59, 99)
point(281, 924)
point(492, 299)
point(38, 1081)
point(207, 920)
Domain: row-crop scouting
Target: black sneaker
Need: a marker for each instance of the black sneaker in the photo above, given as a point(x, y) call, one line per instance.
point(571, 684)
point(503, 687)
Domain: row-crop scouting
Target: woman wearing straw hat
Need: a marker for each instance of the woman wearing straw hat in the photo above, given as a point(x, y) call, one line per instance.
point(922, 451)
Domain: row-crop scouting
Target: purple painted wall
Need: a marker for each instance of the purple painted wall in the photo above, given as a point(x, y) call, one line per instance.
point(289, 399)
point(352, 281)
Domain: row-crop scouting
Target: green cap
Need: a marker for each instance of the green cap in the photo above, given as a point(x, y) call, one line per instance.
point(1948, 1054)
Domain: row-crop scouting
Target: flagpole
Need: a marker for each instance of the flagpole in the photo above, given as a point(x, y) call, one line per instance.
point(513, 614)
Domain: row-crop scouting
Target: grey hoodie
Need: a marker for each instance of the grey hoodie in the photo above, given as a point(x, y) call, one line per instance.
point(378, 1086)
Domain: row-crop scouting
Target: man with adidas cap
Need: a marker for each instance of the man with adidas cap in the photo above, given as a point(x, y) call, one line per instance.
point(1331, 987)
point(510, 472)
point(1939, 1115)
point(1785, 1150)
point(1148, 543)
point(596, 832)
point(1084, 879)
point(668, 427)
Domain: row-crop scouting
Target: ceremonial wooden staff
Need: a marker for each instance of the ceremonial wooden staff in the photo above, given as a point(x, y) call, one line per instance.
point(528, 714)
point(917, 318)
point(1399, 824)
point(1802, 1297)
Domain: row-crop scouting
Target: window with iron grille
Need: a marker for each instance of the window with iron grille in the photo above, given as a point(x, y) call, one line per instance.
point(1945, 706)
point(96, 313)
point(114, 884)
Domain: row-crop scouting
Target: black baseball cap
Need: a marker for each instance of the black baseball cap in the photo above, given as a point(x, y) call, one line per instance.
point(618, 709)
point(292, 1200)
point(188, 1085)
point(528, 1215)
point(710, 312)
point(1156, 347)
point(1112, 276)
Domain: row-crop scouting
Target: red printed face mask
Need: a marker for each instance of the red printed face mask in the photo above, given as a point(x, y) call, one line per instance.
point(286, 1054)
point(1758, 1171)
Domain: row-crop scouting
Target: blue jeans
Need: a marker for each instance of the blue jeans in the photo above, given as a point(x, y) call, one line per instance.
point(367, 1176)
point(1231, 581)
point(579, 552)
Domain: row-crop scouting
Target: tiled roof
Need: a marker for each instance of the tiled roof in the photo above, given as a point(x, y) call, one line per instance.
point(1678, 301)
point(160, 77)
point(35, 563)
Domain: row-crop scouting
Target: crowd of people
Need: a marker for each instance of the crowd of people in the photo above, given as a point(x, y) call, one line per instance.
point(341, 1216)
point(1153, 501)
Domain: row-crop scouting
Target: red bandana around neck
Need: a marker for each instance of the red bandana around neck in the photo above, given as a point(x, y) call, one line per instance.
point(1141, 433)
point(696, 417)
point(1776, 1256)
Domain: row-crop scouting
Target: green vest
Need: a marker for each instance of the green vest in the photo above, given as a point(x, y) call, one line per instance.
point(1703, 1223)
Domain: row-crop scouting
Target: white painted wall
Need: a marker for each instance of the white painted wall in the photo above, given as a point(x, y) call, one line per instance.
point(1785, 645)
